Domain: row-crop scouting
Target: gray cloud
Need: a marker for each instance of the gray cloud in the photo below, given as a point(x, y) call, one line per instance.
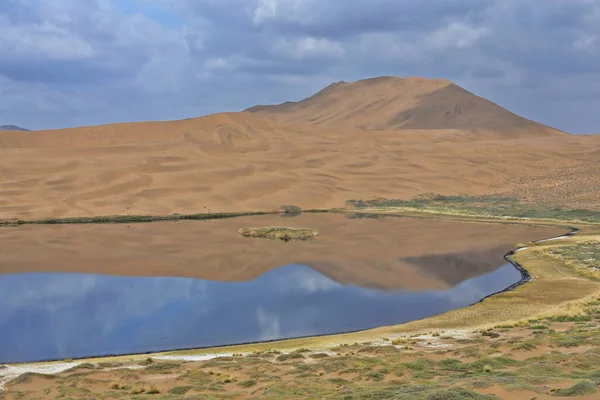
point(67, 62)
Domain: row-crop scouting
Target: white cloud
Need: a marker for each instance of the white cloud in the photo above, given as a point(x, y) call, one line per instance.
point(307, 47)
point(266, 9)
point(456, 35)
point(587, 43)
point(44, 40)
point(89, 62)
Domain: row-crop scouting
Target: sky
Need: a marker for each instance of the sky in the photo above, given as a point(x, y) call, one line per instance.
point(67, 63)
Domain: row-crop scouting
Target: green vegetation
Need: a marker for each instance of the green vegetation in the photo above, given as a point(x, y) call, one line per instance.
point(488, 206)
point(458, 393)
point(291, 211)
point(247, 384)
point(279, 233)
point(131, 219)
point(180, 390)
point(584, 257)
point(582, 388)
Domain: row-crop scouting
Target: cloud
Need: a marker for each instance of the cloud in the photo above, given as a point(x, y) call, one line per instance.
point(68, 62)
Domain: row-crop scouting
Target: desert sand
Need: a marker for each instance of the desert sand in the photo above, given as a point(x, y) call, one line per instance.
point(387, 137)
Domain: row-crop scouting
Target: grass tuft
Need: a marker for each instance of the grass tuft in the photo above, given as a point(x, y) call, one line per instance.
point(582, 388)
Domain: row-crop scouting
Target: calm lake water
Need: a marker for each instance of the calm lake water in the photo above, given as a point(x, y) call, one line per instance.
point(69, 291)
point(50, 316)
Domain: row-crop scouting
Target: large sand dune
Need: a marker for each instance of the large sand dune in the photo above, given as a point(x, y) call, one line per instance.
point(330, 149)
point(412, 103)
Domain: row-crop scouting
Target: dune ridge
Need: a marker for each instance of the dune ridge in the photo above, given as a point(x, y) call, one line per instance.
point(261, 159)
point(390, 103)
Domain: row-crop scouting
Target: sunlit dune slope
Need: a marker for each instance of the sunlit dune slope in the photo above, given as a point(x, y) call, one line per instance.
point(247, 161)
point(389, 103)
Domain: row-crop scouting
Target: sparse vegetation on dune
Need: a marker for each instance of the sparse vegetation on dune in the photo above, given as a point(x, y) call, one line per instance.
point(279, 233)
point(480, 206)
point(584, 257)
point(467, 206)
point(131, 219)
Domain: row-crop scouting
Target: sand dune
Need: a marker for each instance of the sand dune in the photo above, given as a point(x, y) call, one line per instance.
point(11, 128)
point(249, 161)
point(412, 103)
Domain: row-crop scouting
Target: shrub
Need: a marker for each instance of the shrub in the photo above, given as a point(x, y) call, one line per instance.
point(571, 318)
point(525, 346)
point(570, 341)
point(290, 356)
point(179, 390)
point(458, 393)
point(153, 390)
point(452, 364)
point(339, 381)
point(375, 375)
point(491, 334)
point(581, 388)
point(420, 364)
point(302, 350)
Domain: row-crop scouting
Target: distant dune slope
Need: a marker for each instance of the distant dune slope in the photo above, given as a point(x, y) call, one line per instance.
point(389, 103)
point(246, 161)
point(12, 128)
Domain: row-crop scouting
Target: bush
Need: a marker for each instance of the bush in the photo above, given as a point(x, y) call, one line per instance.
point(571, 318)
point(179, 389)
point(458, 393)
point(569, 341)
point(491, 334)
point(582, 388)
point(153, 390)
point(290, 356)
point(375, 375)
point(452, 364)
point(247, 384)
point(525, 346)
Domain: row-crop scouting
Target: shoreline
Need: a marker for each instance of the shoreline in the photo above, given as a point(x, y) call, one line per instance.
point(525, 274)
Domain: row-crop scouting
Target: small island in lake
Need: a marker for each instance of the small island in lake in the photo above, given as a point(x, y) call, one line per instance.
point(280, 233)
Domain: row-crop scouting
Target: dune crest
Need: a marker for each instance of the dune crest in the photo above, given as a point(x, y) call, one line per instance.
point(381, 137)
point(389, 103)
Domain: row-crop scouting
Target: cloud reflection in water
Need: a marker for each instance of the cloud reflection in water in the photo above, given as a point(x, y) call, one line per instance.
point(48, 316)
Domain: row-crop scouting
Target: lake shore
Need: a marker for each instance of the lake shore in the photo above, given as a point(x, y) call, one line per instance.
point(556, 292)
point(504, 307)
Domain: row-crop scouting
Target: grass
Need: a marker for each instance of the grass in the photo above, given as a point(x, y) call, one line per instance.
point(488, 206)
point(583, 257)
point(279, 233)
point(582, 388)
point(180, 390)
point(131, 219)
point(290, 356)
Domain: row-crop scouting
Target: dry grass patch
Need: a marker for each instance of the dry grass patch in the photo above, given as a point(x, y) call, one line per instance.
point(280, 233)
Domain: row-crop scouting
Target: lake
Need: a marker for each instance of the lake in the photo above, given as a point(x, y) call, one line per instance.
point(74, 291)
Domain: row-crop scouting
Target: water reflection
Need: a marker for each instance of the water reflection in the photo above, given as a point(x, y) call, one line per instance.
point(63, 315)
